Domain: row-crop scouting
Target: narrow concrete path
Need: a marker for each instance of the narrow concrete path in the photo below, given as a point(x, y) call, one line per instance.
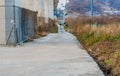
point(54, 55)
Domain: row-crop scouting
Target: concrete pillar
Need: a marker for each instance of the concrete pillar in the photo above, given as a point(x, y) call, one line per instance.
point(7, 19)
point(34, 5)
point(46, 10)
point(12, 2)
point(2, 22)
point(51, 9)
point(42, 7)
point(10, 20)
point(22, 3)
point(28, 4)
point(37, 7)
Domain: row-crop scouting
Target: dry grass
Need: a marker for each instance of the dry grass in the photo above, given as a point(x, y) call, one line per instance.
point(101, 25)
point(101, 37)
point(44, 28)
point(47, 27)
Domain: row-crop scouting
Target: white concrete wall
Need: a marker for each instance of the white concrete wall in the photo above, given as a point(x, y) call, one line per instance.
point(12, 2)
point(45, 8)
point(51, 9)
point(28, 4)
point(2, 23)
point(42, 8)
point(37, 7)
point(2, 2)
point(17, 2)
point(34, 5)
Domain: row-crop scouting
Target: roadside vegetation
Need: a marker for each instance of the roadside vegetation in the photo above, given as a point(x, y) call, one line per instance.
point(44, 28)
point(101, 38)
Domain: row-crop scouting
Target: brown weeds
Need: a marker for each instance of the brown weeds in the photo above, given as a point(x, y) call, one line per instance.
point(44, 28)
point(101, 37)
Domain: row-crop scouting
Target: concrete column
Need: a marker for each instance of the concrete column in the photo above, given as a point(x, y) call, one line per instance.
point(10, 26)
point(42, 7)
point(28, 4)
point(34, 5)
point(17, 3)
point(31, 4)
point(37, 7)
point(6, 18)
point(12, 2)
point(22, 3)
point(46, 10)
point(51, 9)
point(2, 22)
point(2, 2)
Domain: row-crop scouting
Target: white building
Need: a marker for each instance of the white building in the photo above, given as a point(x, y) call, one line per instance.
point(17, 18)
point(44, 7)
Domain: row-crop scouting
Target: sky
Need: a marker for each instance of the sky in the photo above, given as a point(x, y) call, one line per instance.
point(61, 4)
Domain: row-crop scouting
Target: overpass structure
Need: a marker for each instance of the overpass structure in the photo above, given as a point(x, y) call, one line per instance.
point(18, 18)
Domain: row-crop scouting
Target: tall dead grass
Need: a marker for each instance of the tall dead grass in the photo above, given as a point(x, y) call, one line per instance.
point(45, 28)
point(99, 25)
point(101, 37)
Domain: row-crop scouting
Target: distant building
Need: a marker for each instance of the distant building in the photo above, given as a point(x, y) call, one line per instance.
point(112, 12)
point(95, 13)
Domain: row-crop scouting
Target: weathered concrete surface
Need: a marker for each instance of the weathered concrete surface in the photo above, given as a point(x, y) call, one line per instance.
point(2, 22)
point(54, 55)
point(42, 6)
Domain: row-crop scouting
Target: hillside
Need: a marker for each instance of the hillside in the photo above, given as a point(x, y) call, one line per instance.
point(83, 6)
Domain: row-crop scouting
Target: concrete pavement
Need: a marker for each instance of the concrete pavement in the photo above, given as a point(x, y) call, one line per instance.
point(53, 55)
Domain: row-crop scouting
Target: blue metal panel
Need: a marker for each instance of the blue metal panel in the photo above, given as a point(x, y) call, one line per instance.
point(9, 2)
point(20, 23)
point(10, 32)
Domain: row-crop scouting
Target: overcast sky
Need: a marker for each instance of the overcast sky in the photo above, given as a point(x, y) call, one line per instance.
point(63, 2)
